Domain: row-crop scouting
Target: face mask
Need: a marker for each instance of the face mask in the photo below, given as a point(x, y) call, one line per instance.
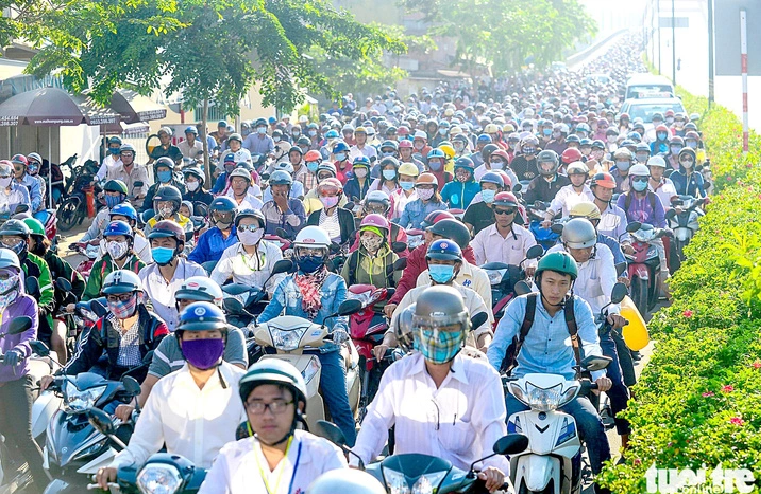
point(6, 182)
point(296, 133)
point(329, 202)
point(547, 132)
point(162, 255)
point(203, 353)
point(6, 286)
point(441, 273)
point(623, 165)
point(434, 165)
point(675, 149)
point(669, 120)
point(407, 185)
point(692, 144)
point(388, 154)
point(312, 133)
point(310, 264)
point(496, 165)
point(642, 157)
point(250, 238)
point(662, 136)
point(164, 176)
point(112, 201)
point(166, 212)
point(261, 130)
point(439, 347)
point(276, 138)
point(340, 156)
point(360, 172)
point(123, 310)
point(372, 243)
point(419, 145)
point(442, 131)
point(18, 248)
point(229, 167)
point(312, 166)
point(462, 176)
point(193, 186)
point(639, 186)
point(117, 250)
point(612, 138)
point(389, 174)
point(425, 194)
point(488, 195)
point(113, 150)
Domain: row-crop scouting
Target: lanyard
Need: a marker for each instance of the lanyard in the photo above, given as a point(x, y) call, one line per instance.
point(282, 467)
point(260, 259)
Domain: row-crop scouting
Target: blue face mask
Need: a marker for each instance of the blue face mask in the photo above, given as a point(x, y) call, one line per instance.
point(162, 255)
point(389, 174)
point(488, 195)
point(312, 167)
point(442, 131)
point(340, 156)
point(310, 264)
point(662, 136)
point(441, 273)
point(547, 132)
point(407, 185)
point(434, 165)
point(113, 150)
point(675, 149)
point(164, 176)
point(112, 201)
point(623, 165)
point(639, 186)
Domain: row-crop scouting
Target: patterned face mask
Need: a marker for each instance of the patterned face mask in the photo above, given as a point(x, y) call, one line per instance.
point(439, 346)
point(123, 309)
point(371, 242)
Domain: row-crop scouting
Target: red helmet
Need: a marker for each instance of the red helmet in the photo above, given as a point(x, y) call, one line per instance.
point(669, 113)
point(405, 144)
point(570, 155)
point(20, 158)
point(676, 140)
point(623, 115)
point(502, 154)
point(662, 128)
point(505, 199)
point(603, 179)
point(505, 178)
point(692, 135)
point(313, 155)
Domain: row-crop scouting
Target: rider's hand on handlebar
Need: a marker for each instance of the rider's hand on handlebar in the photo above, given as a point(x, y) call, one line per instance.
point(340, 337)
point(104, 476)
point(45, 382)
point(380, 351)
point(624, 280)
point(603, 384)
point(628, 249)
point(547, 224)
point(124, 412)
point(493, 476)
point(678, 210)
point(389, 309)
point(530, 270)
point(616, 321)
point(70, 308)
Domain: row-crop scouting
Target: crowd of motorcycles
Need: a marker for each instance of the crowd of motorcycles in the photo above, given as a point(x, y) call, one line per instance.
point(78, 436)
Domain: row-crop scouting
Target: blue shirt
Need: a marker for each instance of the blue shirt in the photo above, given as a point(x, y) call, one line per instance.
point(415, 212)
point(211, 244)
point(688, 186)
point(460, 195)
point(547, 348)
point(615, 248)
point(33, 185)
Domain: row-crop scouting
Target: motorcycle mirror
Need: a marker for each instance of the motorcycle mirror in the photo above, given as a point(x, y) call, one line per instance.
point(335, 248)
point(147, 215)
point(670, 214)
point(40, 348)
point(349, 306)
point(400, 264)
point(62, 284)
point(522, 288)
point(189, 236)
point(539, 205)
point(242, 432)
point(101, 421)
point(516, 188)
point(209, 266)
point(557, 228)
point(478, 320)
point(594, 362)
point(97, 305)
point(398, 247)
point(618, 293)
point(131, 386)
point(20, 324)
point(349, 205)
point(633, 226)
point(32, 285)
point(283, 266)
point(535, 251)
point(620, 268)
point(280, 232)
point(330, 431)
point(21, 208)
point(512, 444)
point(265, 176)
point(138, 184)
point(232, 306)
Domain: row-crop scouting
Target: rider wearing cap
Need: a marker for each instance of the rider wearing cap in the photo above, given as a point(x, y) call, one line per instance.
point(130, 173)
point(277, 454)
point(464, 393)
point(504, 240)
point(193, 411)
point(221, 233)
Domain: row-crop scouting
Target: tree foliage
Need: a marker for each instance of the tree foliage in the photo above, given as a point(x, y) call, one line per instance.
point(504, 34)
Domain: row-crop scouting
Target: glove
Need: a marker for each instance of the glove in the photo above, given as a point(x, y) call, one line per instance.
point(12, 358)
point(340, 336)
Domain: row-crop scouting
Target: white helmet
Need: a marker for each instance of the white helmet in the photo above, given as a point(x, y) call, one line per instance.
point(200, 288)
point(639, 170)
point(656, 161)
point(312, 236)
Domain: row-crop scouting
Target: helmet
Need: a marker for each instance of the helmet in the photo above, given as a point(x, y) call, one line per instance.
point(390, 144)
point(331, 134)
point(691, 135)
point(124, 209)
point(115, 228)
point(573, 138)
point(639, 170)
point(202, 316)
point(405, 144)
point(15, 228)
point(448, 150)
point(598, 144)
point(191, 130)
point(127, 147)
point(326, 165)
point(452, 229)
point(250, 213)
point(313, 155)
point(195, 172)
point(9, 259)
point(603, 179)
point(465, 163)
point(559, 262)
point(676, 140)
point(492, 178)
point(223, 204)
point(121, 281)
point(389, 161)
point(35, 227)
point(622, 154)
point(585, 142)
point(586, 210)
point(689, 151)
point(281, 177)
point(570, 155)
point(200, 288)
point(168, 193)
point(375, 220)
point(435, 216)
point(277, 372)
point(340, 147)
point(312, 236)
point(164, 161)
point(427, 178)
point(20, 158)
point(409, 169)
point(634, 136)
point(378, 196)
point(491, 129)
point(577, 168)
point(505, 199)
point(285, 166)
point(547, 156)
point(643, 148)
point(344, 480)
point(361, 161)
point(235, 137)
point(579, 233)
point(168, 229)
point(444, 249)
point(488, 150)
point(440, 306)
point(241, 173)
point(116, 186)
point(435, 153)
point(329, 183)
point(656, 161)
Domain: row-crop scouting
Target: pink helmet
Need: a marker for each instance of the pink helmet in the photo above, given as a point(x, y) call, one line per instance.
point(505, 178)
point(405, 144)
point(375, 220)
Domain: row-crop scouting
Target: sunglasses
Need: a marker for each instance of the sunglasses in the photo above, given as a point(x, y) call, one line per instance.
point(507, 211)
point(686, 160)
point(248, 228)
point(639, 179)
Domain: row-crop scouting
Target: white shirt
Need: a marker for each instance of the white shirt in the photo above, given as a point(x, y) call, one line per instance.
point(399, 200)
point(470, 276)
point(109, 162)
point(191, 153)
point(595, 279)
point(235, 263)
point(567, 198)
point(613, 223)
point(368, 151)
point(162, 293)
point(236, 470)
point(665, 192)
point(193, 422)
point(459, 421)
point(490, 246)
point(249, 202)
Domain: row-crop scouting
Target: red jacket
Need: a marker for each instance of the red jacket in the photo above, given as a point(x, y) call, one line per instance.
point(415, 265)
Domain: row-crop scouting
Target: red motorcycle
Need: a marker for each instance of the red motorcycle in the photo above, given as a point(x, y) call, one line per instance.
point(644, 265)
point(91, 250)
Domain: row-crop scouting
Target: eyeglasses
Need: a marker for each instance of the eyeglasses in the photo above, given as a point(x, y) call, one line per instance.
point(507, 211)
point(276, 407)
point(248, 228)
point(686, 160)
point(124, 297)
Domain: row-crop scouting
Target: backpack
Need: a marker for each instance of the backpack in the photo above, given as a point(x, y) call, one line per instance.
point(510, 360)
point(628, 200)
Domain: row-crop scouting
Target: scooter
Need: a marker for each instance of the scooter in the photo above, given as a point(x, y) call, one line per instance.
point(547, 237)
point(552, 461)
point(91, 250)
point(414, 238)
point(684, 224)
point(644, 265)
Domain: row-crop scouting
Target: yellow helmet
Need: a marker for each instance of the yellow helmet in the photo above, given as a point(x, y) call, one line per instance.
point(448, 151)
point(449, 112)
point(455, 130)
point(586, 210)
point(409, 169)
point(491, 129)
point(508, 128)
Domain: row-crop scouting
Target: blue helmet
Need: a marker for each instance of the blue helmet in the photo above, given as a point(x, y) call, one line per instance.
point(331, 134)
point(484, 138)
point(340, 147)
point(464, 162)
point(202, 316)
point(492, 178)
point(444, 249)
point(281, 177)
point(191, 130)
point(222, 204)
point(634, 136)
point(361, 161)
point(118, 228)
point(436, 153)
point(582, 127)
point(124, 209)
point(585, 142)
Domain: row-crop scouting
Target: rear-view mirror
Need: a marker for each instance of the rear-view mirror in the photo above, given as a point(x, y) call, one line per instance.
point(98, 305)
point(618, 293)
point(511, 444)
point(535, 251)
point(330, 431)
point(283, 266)
point(522, 288)
point(232, 306)
point(557, 228)
point(131, 386)
point(478, 320)
point(62, 284)
point(595, 362)
point(101, 421)
point(633, 226)
point(398, 247)
point(20, 324)
point(32, 285)
point(39, 348)
point(349, 306)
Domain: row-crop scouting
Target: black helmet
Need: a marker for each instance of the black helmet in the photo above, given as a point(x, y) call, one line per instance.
point(547, 156)
point(168, 193)
point(164, 161)
point(488, 150)
point(15, 228)
point(452, 230)
point(116, 186)
point(195, 172)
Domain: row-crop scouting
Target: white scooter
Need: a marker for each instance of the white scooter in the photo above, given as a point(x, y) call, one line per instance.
point(552, 461)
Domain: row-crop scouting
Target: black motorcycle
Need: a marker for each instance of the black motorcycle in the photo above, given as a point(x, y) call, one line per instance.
point(73, 208)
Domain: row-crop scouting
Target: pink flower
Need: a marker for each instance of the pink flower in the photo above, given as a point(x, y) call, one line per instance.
point(757, 365)
point(749, 165)
point(708, 394)
point(728, 388)
point(736, 421)
point(637, 461)
point(687, 313)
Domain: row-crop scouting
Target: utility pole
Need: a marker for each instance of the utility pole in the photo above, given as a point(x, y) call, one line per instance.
point(710, 54)
point(673, 44)
point(658, 15)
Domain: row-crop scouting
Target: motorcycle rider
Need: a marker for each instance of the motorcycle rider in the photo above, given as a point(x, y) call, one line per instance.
point(12, 195)
point(281, 211)
point(662, 186)
point(195, 410)
point(251, 259)
point(130, 173)
point(504, 241)
point(223, 180)
point(429, 200)
point(573, 193)
point(114, 194)
point(35, 163)
point(524, 164)
point(165, 150)
point(613, 219)
point(548, 348)
point(120, 254)
point(686, 180)
point(194, 181)
point(480, 214)
point(591, 212)
point(127, 332)
point(22, 177)
point(639, 203)
point(338, 222)
point(242, 190)
point(111, 159)
point(315, 293)
point(546, 186)
point(16, 384)
point(372, 260)
point(438, 380)
point(623, 160)
point(274, 398)
point(408, 174)
point(166, 207)
point(220, 235)
point(358, 185)
point(460, 193)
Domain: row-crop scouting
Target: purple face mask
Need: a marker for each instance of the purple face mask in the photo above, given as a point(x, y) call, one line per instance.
point(203, 353)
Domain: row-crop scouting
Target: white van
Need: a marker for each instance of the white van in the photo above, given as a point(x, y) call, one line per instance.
point(648, 85)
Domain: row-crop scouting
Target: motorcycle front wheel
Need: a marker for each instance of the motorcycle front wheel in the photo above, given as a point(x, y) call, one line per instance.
point(69, 213)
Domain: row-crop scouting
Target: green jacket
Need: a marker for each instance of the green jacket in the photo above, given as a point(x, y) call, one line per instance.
point(105, 266)
point(61, 268)
point(37, 267)
point(361, 267)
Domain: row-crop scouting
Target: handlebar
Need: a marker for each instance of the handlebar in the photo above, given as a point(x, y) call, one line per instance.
point(96, 487)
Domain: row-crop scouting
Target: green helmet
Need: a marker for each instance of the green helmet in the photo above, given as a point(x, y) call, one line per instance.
point(559, 262)
point(35, 225)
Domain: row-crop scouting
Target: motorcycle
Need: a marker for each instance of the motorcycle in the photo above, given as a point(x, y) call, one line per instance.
point(552, 461)
point(73, 210)
point(503, 277)
point(644, 265)
point(91, 250)
point(684, 225)
point(546, 237)
point(414, 238)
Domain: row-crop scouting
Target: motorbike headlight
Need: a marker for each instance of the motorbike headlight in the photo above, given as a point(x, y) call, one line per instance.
point(567, 431)
point(429, 483)
point(396, 483)
point(76, 399)
point(159, 478)
point(495, 276)
point(543, 399)
point(311, 369)
point(286, 340)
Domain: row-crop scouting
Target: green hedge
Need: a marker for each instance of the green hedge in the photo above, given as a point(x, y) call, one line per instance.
point(698, 401)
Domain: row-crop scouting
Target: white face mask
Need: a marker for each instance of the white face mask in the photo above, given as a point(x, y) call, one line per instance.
point(261, 130)
point(360, 172)
point(192, 186)
point(117, 250)
point(6, 182)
